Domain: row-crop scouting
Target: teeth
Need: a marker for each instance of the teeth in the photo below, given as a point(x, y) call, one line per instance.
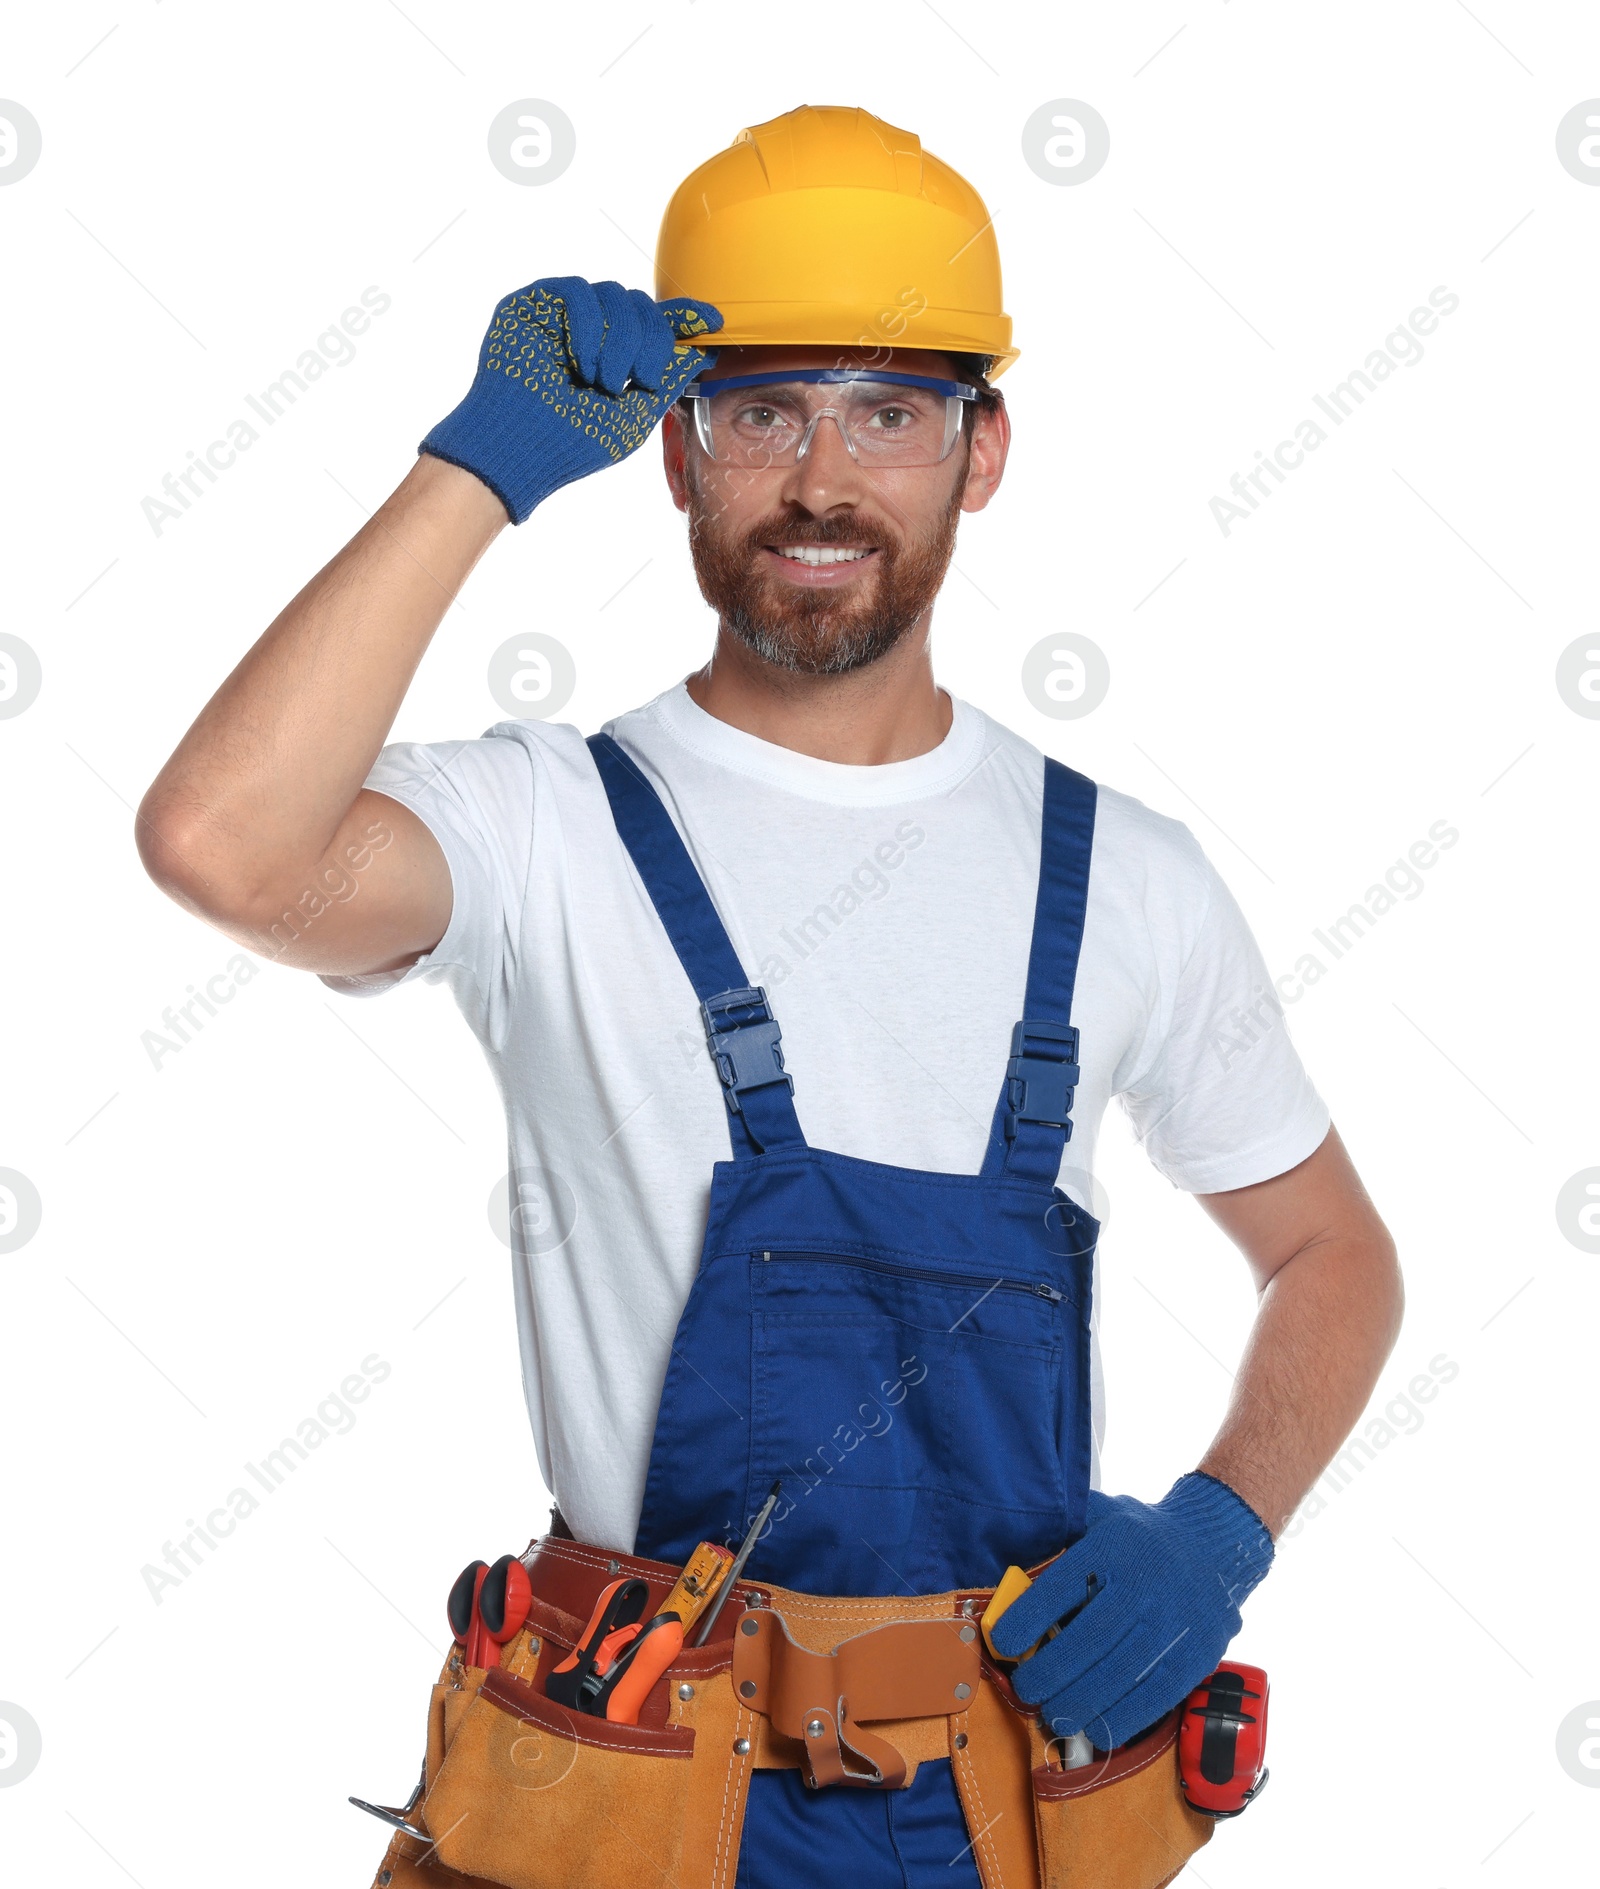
point(820, 553)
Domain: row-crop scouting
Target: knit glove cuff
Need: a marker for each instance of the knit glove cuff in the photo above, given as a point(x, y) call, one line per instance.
point(1226, 1532)
point(521, 464)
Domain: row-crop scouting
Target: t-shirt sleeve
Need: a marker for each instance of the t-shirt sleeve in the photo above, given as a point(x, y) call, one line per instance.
point(1220, 1097)
point(476, 798)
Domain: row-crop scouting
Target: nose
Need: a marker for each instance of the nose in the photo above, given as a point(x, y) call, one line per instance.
point(826, 474)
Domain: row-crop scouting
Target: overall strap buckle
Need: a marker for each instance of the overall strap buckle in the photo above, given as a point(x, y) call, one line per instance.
point(745, 1042)
point(1041, 1075)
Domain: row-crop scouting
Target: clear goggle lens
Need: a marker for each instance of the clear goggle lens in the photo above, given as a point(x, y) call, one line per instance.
point(883, 419)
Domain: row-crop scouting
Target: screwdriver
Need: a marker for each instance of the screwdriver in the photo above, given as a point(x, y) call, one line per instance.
point(738, 1563)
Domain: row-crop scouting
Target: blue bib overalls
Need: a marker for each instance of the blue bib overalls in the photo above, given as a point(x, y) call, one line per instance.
point(907, 1352)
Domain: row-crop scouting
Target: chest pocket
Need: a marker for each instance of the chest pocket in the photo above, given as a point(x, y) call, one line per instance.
point(905, 1408)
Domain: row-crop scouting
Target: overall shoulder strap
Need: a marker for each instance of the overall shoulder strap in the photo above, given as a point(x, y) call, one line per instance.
point(741, 1031)
point(1033, 1119)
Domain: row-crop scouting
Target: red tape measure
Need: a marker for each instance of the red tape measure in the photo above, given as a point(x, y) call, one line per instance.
point(1222, 1741)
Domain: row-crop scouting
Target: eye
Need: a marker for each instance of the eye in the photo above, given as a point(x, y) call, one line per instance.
point(760, 416)
point(892, 419)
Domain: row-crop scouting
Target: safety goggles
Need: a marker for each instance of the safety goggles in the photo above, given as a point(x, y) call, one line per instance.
point(761, 420)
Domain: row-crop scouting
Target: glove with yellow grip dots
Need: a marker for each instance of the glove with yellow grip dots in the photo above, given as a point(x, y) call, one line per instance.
point(572, 377)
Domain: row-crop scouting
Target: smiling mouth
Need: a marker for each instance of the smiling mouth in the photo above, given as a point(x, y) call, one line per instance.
point(823, 553)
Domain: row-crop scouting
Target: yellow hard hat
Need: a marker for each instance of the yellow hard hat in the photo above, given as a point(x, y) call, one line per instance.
point(828, 227)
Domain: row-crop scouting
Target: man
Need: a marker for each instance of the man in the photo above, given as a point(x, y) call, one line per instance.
point(890, 1306)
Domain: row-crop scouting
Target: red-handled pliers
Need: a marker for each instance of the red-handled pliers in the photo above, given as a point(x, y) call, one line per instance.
point(488, 1606)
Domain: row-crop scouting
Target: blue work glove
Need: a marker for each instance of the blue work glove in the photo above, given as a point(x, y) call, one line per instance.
point(1153, 1592)
point(572, 376)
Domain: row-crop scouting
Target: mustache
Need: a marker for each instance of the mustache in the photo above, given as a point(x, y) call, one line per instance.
point(787, 528)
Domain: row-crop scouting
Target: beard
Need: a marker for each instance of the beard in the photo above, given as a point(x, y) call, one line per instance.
point(818, 632)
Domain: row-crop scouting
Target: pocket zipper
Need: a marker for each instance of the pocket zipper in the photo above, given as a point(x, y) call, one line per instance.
point(1037, 1290)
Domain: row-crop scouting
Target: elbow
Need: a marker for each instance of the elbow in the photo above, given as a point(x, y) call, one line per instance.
point(166, 846)
point(179, 849)
point(169, 846)
point(1391, 1286)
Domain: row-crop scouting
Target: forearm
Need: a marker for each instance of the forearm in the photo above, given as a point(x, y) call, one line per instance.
point(1327, 1321)
point(1165, 1580)
point(256, 790)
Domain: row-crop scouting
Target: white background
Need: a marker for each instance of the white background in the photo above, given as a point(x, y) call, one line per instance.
point(304, 1184)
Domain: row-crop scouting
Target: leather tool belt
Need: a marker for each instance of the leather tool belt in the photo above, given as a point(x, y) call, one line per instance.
point(521, 1791)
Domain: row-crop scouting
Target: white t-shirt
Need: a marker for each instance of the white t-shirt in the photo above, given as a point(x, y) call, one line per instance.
point(888, 911)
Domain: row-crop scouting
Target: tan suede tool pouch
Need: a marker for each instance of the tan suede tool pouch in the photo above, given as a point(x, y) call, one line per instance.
point(533, 1795)
point(1120, 1822)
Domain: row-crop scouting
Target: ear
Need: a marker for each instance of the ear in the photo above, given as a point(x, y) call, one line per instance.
point(991, 442)
point(673, 448)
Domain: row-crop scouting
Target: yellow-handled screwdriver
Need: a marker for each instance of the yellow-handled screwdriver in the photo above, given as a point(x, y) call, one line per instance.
point(1077, 1749)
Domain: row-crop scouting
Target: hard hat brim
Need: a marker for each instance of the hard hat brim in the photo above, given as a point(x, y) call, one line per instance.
point(860, 333)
